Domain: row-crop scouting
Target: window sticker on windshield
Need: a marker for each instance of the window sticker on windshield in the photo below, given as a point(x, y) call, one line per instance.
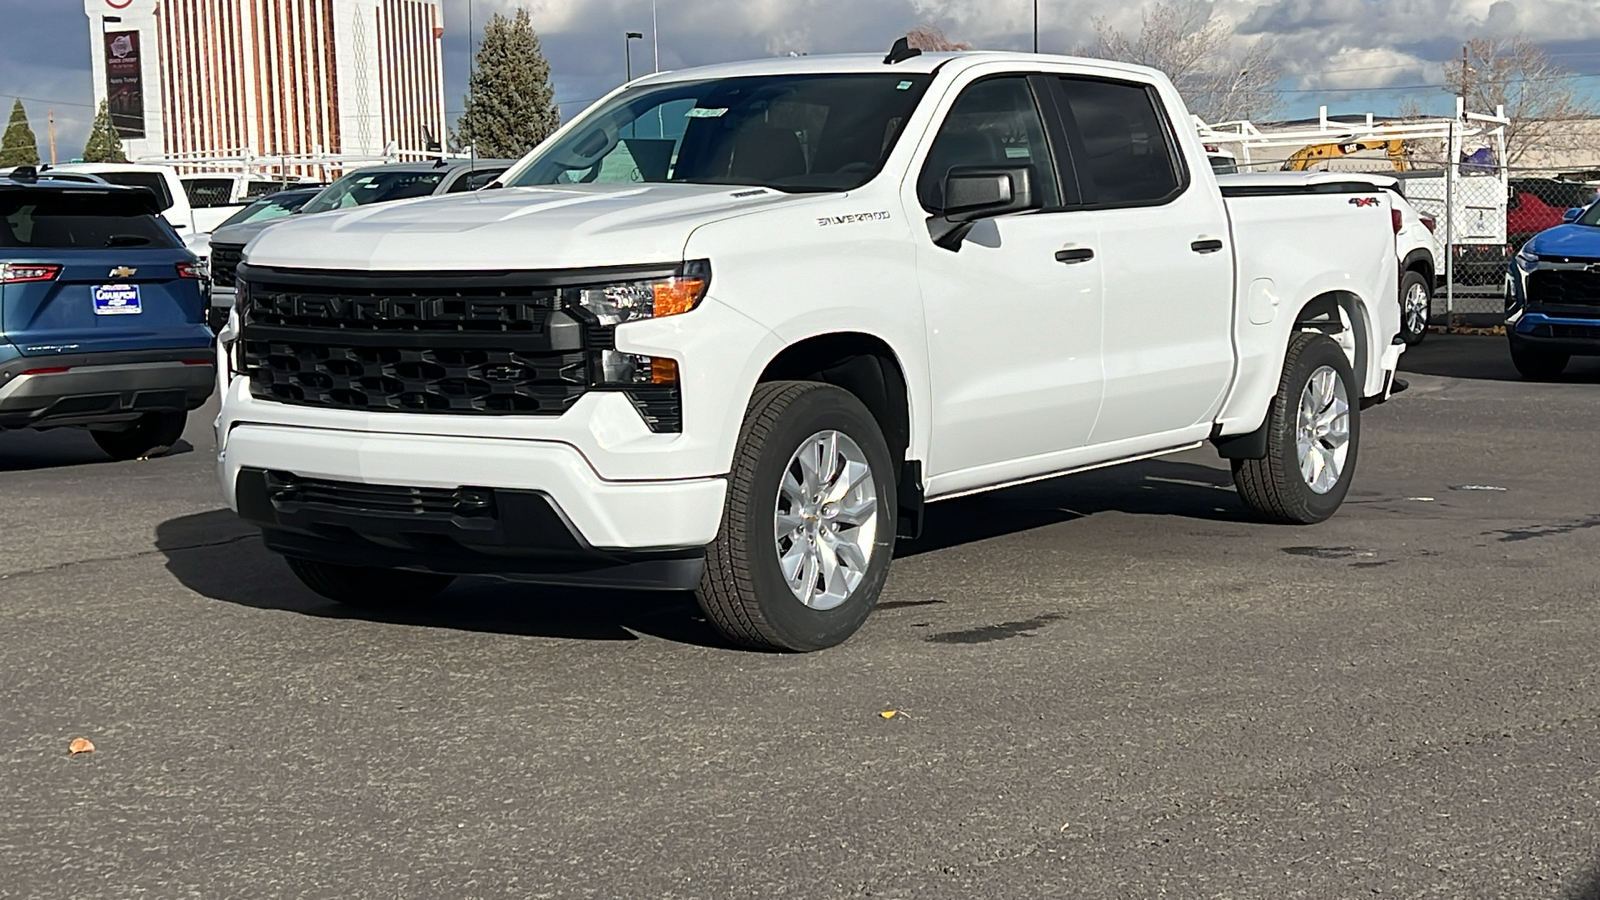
point(903, 86)
point(700, 112)
point(1018, 153)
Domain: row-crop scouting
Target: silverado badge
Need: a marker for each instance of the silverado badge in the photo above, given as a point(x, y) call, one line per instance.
point(123, 272)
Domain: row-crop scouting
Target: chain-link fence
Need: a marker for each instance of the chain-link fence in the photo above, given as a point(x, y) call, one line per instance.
point(1483, 213)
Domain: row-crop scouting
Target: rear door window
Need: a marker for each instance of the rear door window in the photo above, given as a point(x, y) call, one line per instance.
point(45, 220)
point(150, 181)
point(1121, 143)
point(205, 193)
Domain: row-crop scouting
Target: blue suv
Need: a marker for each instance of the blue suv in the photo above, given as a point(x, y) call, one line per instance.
point(102, 315)
point(1553, 296)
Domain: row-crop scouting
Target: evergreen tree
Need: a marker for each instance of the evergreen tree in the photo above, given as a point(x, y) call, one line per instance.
point(104, 145)
point(19, 147)
point(510, 107)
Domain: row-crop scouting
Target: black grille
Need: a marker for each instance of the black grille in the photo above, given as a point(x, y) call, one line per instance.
point(469, 502)
point(1564, 287)
point(450, 351)
point(225, 259)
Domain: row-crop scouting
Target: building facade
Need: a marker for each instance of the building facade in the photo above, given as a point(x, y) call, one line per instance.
point(194, 79)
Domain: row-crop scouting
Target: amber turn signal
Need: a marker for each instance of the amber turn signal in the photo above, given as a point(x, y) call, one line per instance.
point(663, 370)
point(676, 296)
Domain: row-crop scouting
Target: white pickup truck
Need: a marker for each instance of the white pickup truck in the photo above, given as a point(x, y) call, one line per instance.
point(731, 329)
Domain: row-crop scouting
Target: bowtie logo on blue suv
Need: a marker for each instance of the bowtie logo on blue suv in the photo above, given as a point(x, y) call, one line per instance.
point(123, 272)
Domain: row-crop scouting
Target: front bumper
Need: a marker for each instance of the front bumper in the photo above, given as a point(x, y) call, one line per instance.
point(1577, 336)
point(556, 520)
point(97, 388)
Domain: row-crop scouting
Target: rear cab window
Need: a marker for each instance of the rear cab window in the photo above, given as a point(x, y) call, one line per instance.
point(69, 220)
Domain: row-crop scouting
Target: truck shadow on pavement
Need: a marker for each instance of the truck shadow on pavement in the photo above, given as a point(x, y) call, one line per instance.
point(1588, 887)
point(1158, 487)
point(217, 555)
point(59, 448)
point(1485, 358)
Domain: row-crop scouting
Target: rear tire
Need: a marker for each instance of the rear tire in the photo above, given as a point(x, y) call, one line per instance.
point(1416, 307)
point(1537, 364)
point(802, 441)
point(1313, 434)
point(366, 587)
point(152, 434)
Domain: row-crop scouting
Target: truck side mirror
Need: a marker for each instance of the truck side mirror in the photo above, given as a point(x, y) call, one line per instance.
point(1572, 214)
point(972, 193)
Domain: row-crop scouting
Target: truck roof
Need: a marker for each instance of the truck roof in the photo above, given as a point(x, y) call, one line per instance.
point(874, 62)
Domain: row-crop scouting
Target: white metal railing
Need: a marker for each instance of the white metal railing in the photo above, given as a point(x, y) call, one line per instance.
point(245, 161)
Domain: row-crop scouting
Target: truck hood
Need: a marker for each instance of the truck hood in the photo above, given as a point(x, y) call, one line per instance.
point(1567, 240)
point(559, 226)
point(241, 234)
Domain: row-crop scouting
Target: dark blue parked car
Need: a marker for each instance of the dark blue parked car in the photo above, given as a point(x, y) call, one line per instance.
point(1553, 296)
point(102, 315)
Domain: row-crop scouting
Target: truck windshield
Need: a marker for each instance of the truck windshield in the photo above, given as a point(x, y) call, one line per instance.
point(374, 186)
point(1591, 216)
point(801, 133)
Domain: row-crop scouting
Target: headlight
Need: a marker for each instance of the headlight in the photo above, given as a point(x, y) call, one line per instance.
point(629, 301)
point(1527, 261)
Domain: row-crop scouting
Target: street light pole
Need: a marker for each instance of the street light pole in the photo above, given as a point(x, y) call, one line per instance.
point(1036, 26)
point(627, 49)
point(655, 34)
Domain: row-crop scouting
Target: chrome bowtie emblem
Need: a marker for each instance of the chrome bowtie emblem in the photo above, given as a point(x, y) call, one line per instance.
point(123, 272)
point(503, 374)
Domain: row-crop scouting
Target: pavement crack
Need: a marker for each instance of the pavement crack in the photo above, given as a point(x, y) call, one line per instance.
point(45, 570)
point(1508, 535)
point(1000, 632)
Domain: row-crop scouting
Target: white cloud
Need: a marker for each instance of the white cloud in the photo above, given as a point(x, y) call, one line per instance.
point(1363, 69)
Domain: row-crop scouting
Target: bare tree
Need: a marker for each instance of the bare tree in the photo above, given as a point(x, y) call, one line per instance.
point(1183, 38)
point(930, 38)
point(1540, 97)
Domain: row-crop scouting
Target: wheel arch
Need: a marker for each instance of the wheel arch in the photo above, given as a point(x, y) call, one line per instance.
point(1322, 313)
point(861, 363)
point(1420, 261)
point(870, 369)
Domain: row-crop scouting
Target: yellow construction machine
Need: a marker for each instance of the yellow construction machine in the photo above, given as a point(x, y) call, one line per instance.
point(1306, 157)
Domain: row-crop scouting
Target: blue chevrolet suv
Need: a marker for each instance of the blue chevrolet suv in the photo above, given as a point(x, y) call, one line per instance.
point(1553, 296)
point(102, 315)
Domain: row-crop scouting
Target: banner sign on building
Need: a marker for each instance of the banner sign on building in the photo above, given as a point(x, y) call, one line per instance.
point(124, 83)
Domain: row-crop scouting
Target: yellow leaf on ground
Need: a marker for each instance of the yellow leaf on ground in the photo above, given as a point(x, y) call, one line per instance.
point(889, 713)
point(79, 745)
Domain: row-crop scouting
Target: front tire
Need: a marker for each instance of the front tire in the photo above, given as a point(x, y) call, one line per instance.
point(1313, 433)
point(1416, 307)
point(1537, 364)
point(152, 434)
point(808, 525)
point(366, 587)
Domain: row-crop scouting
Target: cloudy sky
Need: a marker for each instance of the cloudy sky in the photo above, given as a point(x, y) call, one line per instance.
point(1353, 55)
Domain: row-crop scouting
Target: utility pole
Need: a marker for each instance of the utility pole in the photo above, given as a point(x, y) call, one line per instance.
point(52, 117)
point(655, 34)
point(1036, 26)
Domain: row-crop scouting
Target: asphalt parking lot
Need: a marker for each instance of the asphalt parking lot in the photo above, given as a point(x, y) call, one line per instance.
point(1112, 685)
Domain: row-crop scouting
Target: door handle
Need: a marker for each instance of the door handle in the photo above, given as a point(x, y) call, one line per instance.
point(1081, 254)
point(1210, 246)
